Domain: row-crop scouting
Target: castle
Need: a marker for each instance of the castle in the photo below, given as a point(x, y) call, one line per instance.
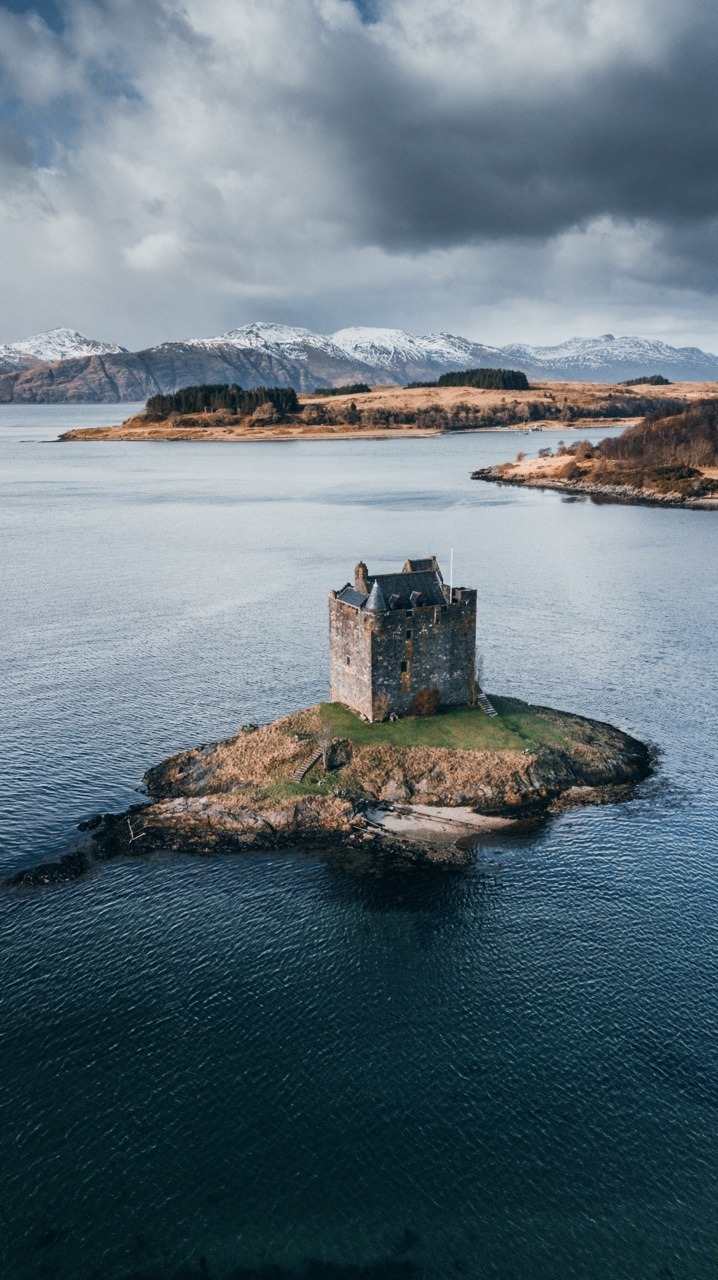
point(402, 643)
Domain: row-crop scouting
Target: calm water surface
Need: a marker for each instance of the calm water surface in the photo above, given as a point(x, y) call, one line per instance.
point(242, 1065)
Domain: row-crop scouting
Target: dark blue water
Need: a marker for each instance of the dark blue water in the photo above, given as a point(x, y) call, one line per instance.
point(510, 1071)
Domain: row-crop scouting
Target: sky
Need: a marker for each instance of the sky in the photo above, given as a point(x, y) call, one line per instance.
point(516, 171)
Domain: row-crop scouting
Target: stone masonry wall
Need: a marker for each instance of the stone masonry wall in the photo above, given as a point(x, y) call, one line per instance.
point(437, 649)
point(367, 651)
point(350, 668)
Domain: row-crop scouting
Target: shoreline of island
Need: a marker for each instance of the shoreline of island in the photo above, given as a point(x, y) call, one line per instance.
point(323, 779)
point(256, 435)
point(622, 494)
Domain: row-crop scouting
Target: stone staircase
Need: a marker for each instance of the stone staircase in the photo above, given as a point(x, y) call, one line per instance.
point(485, 705)
point(302, 769)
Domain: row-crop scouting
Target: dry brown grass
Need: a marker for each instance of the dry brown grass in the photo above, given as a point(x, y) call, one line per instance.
point(396, 400)
point(257, 769)
point(562, 471)
point(579, 393)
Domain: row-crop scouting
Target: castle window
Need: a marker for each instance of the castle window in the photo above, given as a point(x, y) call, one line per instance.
point(408, 633)
point(349, 662)
point(444, 608)
point(405, 666)
point(409, 613)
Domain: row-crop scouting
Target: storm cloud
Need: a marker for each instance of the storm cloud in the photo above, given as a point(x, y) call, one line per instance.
point(516, 172)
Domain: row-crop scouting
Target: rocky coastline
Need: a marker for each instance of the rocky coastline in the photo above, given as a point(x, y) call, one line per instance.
point(621, 493)
point(292, 784)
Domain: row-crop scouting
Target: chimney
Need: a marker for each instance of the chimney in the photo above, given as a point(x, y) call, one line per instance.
point(361, 574)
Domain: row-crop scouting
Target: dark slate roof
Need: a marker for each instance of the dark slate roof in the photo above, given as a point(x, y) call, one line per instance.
point(348, 595)
point(397, 589)
point(376, 602)
point(421, 566)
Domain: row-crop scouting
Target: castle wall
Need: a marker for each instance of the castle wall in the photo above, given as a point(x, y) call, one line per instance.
point(350, 668)
point(437, 648)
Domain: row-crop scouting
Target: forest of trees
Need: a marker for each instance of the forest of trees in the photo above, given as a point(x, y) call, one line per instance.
point(351, 389)
point(491, 379)
point(686, 438)
point(661, 453)
point(211, 396)
point(463, 417)
point(653, 380)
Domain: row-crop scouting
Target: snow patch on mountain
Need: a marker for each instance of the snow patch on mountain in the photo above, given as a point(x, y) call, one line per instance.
point(62, 344)
point(293, 343)
point(385, 348)
point(379, 349)
point(54, 344)
point(607, 355)
point(267, 353)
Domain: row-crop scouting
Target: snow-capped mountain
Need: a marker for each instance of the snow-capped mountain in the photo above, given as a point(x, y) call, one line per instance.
point(54, 344)
point(399, 353)
point(293, 343)
point(392, 353)
point(610, 359)
point(284, 355)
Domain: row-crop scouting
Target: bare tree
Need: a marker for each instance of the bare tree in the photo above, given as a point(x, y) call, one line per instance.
point(325, 739)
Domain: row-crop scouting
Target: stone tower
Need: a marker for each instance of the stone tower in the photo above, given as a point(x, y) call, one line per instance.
point(402, 643)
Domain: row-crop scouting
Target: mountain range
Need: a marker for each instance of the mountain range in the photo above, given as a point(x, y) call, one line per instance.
point(64, 366)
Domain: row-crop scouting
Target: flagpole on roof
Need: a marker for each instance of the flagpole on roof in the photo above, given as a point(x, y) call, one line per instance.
point(451, 576)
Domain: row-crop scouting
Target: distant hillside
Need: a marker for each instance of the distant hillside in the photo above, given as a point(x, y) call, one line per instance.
point(63, 365)
point(688, 439)
point(666, 460)
point(258, 355)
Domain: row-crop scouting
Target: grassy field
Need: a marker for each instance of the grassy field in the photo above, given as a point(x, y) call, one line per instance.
point(516, 727)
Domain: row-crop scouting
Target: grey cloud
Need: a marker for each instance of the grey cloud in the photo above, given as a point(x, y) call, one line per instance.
point(232, 159)
point(627, 140)
point(15, 155)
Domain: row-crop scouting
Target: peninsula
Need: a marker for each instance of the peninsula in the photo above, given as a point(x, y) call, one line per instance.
point(227, 413)
point(662, 460)
point(409, 758)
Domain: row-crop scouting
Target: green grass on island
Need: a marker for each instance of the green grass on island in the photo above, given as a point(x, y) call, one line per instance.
point(516, 727)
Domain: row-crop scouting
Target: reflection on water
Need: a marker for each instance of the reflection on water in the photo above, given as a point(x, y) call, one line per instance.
point(295, 1066)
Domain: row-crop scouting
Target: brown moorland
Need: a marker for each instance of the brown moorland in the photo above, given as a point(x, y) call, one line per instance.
point(386, 412)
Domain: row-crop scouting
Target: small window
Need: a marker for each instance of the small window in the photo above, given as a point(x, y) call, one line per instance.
point(405, 666)
point(444, 608)
point(349, 662)
point(409, 613)
point(409, 633)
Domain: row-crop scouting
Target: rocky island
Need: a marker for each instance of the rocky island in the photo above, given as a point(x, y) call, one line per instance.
point(418, 787)
point(663, 460)
point(410, 757)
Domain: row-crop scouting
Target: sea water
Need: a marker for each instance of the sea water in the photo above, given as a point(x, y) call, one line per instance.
point(290, 1065)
